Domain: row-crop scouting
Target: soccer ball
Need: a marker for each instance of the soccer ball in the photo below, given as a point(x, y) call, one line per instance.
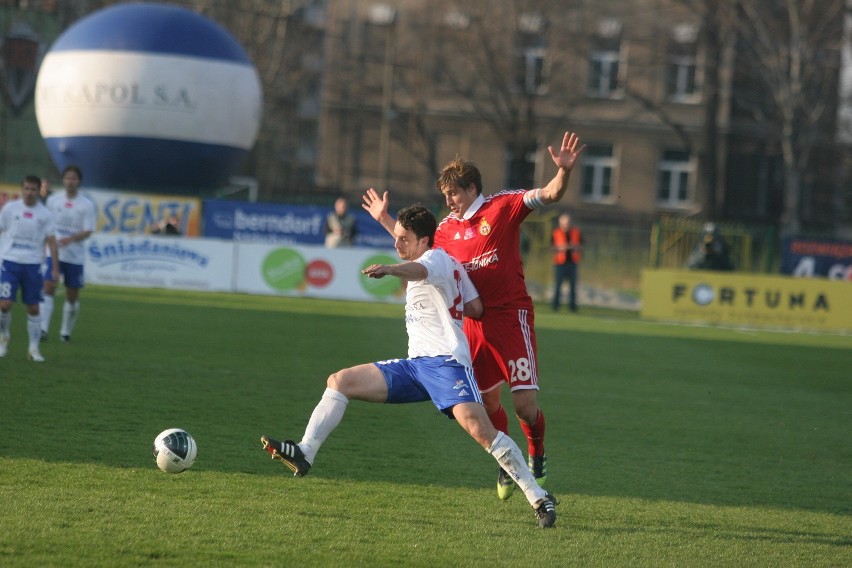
point(174, 450)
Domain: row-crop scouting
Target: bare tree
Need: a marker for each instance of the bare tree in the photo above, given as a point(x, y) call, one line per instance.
point(496, 56)
point(793, 47)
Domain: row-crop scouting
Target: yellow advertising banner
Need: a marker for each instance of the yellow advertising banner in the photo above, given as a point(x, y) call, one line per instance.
point(131, 213)
point(128, 213)
point(8, 192)
point(746, 299)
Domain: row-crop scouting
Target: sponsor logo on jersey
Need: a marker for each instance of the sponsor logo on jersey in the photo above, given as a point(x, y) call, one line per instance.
point(484, 228)
point(457, 237)
point(486, 258)
point(469, 233)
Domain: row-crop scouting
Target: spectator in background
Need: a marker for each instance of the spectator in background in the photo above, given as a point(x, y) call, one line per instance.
point(567, 245)
point(340, 227)
point(44, 190)
point(168, 226)
point(712, 252)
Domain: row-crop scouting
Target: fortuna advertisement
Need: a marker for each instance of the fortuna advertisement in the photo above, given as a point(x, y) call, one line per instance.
point(746, 299)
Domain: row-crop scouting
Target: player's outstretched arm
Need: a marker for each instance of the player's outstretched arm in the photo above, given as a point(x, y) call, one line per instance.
point(403, 271)
point(377, 207)
point(565, 159)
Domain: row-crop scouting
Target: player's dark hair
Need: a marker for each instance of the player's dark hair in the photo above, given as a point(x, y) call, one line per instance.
point(31, 179)
point(73, 168)
point(460, 173)
point(418, 220)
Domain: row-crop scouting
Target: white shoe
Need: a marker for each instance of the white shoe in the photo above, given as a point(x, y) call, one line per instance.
point(4, 345)
point(34, 355)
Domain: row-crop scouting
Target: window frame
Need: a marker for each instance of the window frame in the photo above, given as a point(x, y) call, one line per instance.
point(675, 170)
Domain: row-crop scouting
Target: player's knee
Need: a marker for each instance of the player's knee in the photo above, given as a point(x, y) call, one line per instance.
point(526, 408)
point(341, 381)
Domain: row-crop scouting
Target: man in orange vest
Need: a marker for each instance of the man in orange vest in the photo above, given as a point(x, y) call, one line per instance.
point(567, 245)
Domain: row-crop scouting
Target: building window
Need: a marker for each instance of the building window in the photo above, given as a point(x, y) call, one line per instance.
point(532, 71)
point(681, 64)
point(604, 60)
point(531, 55)
point(597, 166)
point(603, 73)
point(675, 173)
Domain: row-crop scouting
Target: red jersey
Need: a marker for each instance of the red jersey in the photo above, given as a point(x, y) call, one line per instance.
point(487, 241)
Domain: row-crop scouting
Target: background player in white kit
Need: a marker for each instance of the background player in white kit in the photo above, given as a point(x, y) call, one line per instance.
point(75, 219)
point(438, 367)
point(26, 226)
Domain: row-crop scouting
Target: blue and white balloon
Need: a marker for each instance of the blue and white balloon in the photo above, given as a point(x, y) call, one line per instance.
point(149, 96)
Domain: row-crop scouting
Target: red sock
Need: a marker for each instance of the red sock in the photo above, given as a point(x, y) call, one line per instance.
point(535, 435)
point(500, 420)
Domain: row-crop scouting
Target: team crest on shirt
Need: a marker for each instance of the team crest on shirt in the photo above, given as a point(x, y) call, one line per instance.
point(484, 228)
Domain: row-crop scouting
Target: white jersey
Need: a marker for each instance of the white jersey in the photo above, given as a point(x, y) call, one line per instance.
point(434, 307)
point(71, 217)
point(23, 231)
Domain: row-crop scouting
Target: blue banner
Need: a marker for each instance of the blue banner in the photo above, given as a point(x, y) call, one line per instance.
point(283, 224)
point(810, 257)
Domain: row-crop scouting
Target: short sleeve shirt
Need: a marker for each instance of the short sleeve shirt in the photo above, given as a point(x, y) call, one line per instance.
point(72, 216)
point(487, 243)
point(434, 307)
point(24, 230)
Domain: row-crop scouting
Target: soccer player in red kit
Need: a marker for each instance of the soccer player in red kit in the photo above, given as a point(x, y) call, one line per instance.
point(483, 233)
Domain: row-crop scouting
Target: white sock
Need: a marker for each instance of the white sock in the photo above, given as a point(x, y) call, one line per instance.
point(46, 310)
point(69, 317)
point(509, 456)
point(5, 323)
point(34, 329)
point(324, 419)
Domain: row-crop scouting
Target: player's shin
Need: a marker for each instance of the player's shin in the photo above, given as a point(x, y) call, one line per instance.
point(326, 416)
point(509, 456)
point(69, 317)
point(34, 331)
point(46, 311)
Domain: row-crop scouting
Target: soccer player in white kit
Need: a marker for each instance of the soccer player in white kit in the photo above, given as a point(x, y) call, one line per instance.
point(26, 226)
point(75, 218)
point(438, 367)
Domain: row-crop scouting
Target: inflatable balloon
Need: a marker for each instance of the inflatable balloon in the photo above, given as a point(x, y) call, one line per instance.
point(148, 97)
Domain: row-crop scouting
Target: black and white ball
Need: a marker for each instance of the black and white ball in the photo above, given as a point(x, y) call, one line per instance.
point(174, 450)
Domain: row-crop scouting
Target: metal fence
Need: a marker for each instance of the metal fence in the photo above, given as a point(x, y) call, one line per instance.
point(614, 255)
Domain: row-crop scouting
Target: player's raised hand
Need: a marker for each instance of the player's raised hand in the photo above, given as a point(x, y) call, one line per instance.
point(376, 206)
point(568, 153)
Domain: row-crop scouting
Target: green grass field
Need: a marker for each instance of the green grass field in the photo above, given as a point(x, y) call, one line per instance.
point(669, 445)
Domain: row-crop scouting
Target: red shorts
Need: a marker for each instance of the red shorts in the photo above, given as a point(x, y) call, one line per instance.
point(503, 348)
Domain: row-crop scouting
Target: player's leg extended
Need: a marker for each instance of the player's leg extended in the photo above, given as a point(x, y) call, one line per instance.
point(472, 417)
point(363, 382)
